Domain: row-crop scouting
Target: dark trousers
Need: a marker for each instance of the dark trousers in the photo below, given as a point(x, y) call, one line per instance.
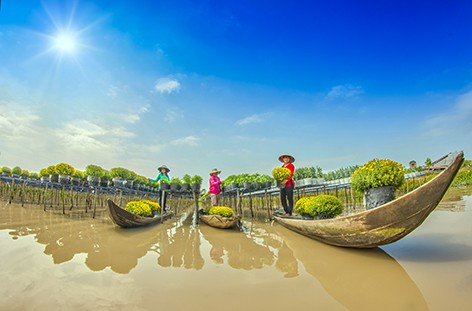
point(286, 196)
point(162, 199)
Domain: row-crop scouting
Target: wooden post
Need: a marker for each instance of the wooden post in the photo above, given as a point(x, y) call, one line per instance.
point(195, 197)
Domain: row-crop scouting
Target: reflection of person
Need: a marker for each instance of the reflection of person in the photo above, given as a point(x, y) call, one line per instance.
point(286, 193)
point(215, 190)
point(163, 175)
point(286, 262)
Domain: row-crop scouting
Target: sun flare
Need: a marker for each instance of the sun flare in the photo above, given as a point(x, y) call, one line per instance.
point(65, 42)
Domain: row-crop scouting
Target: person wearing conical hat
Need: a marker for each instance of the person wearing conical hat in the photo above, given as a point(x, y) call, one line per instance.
point(215, 187)
point(286, 193)
point(163, 175)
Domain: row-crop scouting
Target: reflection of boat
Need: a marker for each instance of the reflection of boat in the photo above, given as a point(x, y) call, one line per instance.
point(241, 250)
point(358, 279)
point(218, 221)
point(125, 219)
point(381, 225)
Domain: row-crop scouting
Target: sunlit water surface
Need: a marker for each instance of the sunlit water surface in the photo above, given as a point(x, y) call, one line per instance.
point(50, 261)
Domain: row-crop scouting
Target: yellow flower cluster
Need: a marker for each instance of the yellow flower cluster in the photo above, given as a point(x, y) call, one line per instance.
point(281, 173)
point(155, 207)
point(323, 204)
point(223, 211)
point(143, 208)
point(378, 173)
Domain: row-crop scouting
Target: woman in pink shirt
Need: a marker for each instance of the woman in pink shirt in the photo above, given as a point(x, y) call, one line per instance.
point(215, 190)
point(286, 193)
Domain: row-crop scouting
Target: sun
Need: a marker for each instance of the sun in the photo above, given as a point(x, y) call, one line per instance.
point(65, 42)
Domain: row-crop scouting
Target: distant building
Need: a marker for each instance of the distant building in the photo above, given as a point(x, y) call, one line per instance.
point(412, 164)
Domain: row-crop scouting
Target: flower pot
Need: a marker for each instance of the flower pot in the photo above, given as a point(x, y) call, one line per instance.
point(185, 187)
point(63, 179)
point(93, 180)
point(174, 186)
point(267, 185)
point(280, 185)
point(119, 182)
point(248, 186)
point(196, 187)
point(164, 186)
point(103, 183)
point(45, 179)
point(75, 181)
point(377, 196)
point(129, 184)
point(54, 178)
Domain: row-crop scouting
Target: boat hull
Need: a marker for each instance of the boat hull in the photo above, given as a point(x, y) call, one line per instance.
point(220, 222)
point(125, 219)
point(384, 224)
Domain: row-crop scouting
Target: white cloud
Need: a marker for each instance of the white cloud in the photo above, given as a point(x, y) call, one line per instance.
point(113, 91)
point(136, 116)
point(456, 121)
point(255, 118)
point(172, 115)
point(344, 91)
point(167, 85)
point(16, 121)
point(188, 140)
point(85, 135)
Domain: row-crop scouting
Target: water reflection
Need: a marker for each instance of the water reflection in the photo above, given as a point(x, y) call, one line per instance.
point(358, 279)
point(180, 247)
point(241, 250)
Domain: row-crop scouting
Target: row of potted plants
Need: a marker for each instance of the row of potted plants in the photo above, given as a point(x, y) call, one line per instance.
point(247, 182)
point(95, 175)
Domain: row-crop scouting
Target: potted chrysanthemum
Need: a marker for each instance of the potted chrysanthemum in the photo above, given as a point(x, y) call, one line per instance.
point(378, 179)
point(319, 207)
point(281, 174)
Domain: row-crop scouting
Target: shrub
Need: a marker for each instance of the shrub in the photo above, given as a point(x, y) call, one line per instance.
point(33, 175)
point(325, 204)
point(320, 205)
point(463, 178)
point(302, 205)
point(6, 169)
point(155, 207)
point(281, 173)
point(120, 172)
point(16, 170)
point(78, 174)
point(139, 208)
point(223, 211)
point(197, 179)
point(378, 173)
point(187, 179)
point(175, 180)
point(94, 170)
point(64, 169)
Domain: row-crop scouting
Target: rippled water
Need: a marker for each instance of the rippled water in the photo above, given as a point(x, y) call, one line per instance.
point(50, 261)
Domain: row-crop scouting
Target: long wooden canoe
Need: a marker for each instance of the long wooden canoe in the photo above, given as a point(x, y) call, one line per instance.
point(125, 219)
point(218, 221)
point(384, 224)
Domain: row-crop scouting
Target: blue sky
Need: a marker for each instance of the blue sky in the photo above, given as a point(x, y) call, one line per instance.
point(233, 84)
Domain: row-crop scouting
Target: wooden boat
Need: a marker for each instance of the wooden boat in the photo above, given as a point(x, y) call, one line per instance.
point(221, 222)
point(384, 224)
point(125, 219)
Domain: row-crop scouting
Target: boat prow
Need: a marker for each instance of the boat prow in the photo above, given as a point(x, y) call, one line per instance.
point(125, 219)
point(384, 224)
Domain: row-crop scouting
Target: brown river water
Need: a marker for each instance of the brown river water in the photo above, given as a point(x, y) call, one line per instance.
point(50, 261)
